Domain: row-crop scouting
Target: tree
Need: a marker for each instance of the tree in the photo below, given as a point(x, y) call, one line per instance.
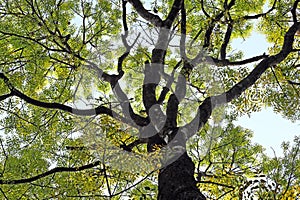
point(116, 99)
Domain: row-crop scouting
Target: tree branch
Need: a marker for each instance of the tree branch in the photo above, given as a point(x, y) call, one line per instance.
point(154, 19)
point(154, 69)
point(226, 62)
point(170, 80)
point(133, 144)
point(211, 26)
point(248, 81)
point(203, 9)
point(293, 83)
point(205, 109)
point(294, 11)
point(5, 96)
point(226, 41)
point(183, 32)
point(124, 16)
point(173, 13)
point(52, 171)
point(81, 112)
point(262, 14)
point(119, 93)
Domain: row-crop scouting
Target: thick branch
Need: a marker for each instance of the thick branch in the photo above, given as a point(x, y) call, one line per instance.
point(154, 19)
point(124, 16)
point(152, 76)
point(130, 146)
point(5, 96)
point(127, 110)
point(241, 62)
point(154, 69)
point(172, 111)
point(248, 81)
point(173, 13)
point(228, 31)
point(205, 109)
point(226, 62)
point(129, 114)
point(81, 112)
point(294, 11)
point(170, 80)
point(226, 41)
point(183, 32)
point(52, 171)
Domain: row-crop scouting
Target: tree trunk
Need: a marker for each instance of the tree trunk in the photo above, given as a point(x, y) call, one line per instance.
point(176, 181)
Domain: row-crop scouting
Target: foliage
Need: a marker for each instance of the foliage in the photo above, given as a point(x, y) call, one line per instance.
point(75, 103)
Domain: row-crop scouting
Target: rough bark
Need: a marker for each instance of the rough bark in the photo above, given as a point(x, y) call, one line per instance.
point(176, 181)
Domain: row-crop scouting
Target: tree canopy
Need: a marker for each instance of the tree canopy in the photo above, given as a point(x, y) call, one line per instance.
point(130, 99)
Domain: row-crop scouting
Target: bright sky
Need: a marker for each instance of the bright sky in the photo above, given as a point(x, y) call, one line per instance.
point(270, 129)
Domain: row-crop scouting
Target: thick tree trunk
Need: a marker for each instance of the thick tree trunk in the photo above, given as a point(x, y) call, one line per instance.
point(176, 181)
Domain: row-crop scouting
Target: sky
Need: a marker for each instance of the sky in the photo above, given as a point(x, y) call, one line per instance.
point(270, 129)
